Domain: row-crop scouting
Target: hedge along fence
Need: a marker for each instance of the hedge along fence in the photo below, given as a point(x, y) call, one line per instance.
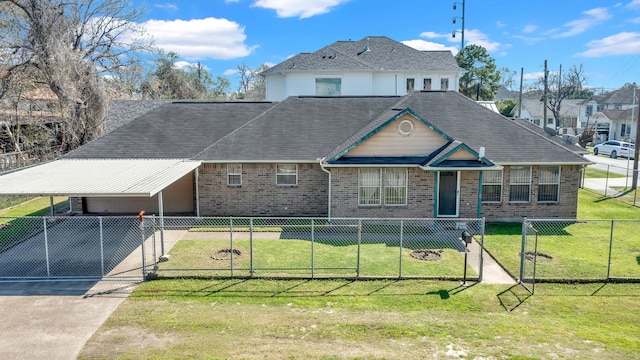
point(313, 247)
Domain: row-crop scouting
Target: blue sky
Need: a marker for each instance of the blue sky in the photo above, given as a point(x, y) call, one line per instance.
point(603, 36)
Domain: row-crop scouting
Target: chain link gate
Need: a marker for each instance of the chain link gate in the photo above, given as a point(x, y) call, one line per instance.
point(528, 256)
point(70, 248)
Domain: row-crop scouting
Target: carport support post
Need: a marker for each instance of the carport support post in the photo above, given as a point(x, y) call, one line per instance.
point(163, 255)
point(51, 205)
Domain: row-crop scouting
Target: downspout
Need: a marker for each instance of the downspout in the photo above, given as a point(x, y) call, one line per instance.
point(329, 190)
point(197, 176)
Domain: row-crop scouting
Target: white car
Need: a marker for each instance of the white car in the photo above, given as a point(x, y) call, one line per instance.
point(615, 148)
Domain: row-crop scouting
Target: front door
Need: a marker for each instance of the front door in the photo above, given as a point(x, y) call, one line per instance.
point(448, 193)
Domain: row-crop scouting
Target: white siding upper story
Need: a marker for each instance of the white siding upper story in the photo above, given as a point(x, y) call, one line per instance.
point(280, 86)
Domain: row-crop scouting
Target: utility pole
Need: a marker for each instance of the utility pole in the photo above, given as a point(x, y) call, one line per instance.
point(636, 152)
point(520, 95)
point(544, 95)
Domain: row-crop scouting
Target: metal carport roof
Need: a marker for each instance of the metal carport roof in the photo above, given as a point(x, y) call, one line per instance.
point(97, 177)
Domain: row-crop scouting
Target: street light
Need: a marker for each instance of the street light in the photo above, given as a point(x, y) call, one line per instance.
point(461, 18)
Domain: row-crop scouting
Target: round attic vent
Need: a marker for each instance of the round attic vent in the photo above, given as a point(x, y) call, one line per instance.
point(405, 127)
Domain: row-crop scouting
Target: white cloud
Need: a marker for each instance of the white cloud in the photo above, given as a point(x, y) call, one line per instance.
point(619, 44)
point(427, 45)
point(433, 35)
point(636, 20)
point(167, 6)
point(634, 4)
point(500, 24)
point(477, 37)
point(200, 38)
point(594, 16)
point(300, 8)
point(529, 29)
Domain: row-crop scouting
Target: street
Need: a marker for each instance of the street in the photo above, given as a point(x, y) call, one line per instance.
point(605, 163)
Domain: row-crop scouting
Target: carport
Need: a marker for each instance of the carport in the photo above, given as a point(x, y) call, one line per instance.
point(101, 178)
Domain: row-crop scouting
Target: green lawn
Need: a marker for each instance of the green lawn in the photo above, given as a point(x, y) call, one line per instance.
point(295, 257)
point(575, 250)
point(381, 319)
point(13, 225)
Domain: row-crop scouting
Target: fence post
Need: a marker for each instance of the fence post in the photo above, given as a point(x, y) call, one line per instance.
point(144, 255)
point(522, 249)
point(610, 250)
point(251, 246)
point(313, 262)
point(482, 224)
point(231, 243)
point(359, 242)
point(606, 184)
point(401, 238)
point(46, 246)
point(101, 247)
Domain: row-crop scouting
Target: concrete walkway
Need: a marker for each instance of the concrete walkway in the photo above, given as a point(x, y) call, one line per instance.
point(606, 186)
point(492, 272)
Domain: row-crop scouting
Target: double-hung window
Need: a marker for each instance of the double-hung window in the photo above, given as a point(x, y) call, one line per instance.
point(549, 184)
point(395, 187)
point(234, 174)
point(369, 187)
point(287, 174)
point(492, 186)
point(520, 184)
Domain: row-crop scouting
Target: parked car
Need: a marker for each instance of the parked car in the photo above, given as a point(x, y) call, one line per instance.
point(615, 148)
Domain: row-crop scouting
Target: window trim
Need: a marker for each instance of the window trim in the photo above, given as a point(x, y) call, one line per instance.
point(405, 186)
point(231, 172)
point(501, 184)
point(360, 186)
point(512, 183)
point(279, 174)
point(557, 183)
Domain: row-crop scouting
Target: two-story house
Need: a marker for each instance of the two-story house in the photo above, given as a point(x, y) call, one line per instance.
point(375, 65)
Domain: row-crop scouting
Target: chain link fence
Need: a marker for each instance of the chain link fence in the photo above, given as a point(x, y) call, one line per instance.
point(612, 181)
point(70, 248)
point(313, 248)
point(580, 251)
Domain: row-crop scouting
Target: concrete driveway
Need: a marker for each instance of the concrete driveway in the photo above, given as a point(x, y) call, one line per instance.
point(53, 320)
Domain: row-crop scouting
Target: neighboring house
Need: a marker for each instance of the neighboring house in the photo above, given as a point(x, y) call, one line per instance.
point(568, 141)
point(623, 123)
point(620, 99)
point(575, 114)
point(422, 155)
point(375, 65)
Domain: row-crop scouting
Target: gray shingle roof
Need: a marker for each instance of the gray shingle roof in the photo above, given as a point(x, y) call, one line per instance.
point(505, 141)
point(374, 53)
point(122, 112)
point(177, 130)
point(299, 128)
point(306, 129)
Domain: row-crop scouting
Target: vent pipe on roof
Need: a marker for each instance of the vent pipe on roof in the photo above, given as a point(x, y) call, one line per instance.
point(481, 153)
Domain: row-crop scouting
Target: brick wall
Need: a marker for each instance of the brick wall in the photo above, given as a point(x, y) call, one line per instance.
point(566, 207)
point(344, 202)
point(259, 195)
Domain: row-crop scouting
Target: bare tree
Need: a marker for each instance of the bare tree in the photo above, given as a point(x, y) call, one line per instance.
point(251, 86)
point(561, 87)
point(67, 46)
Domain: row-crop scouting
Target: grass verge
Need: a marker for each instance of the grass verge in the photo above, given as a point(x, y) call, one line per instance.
point(382, 319)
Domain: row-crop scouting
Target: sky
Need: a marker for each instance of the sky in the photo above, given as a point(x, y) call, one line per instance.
point(602, 36)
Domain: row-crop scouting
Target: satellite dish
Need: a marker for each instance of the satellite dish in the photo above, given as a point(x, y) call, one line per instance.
point(570, 139)
point(550, 131)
